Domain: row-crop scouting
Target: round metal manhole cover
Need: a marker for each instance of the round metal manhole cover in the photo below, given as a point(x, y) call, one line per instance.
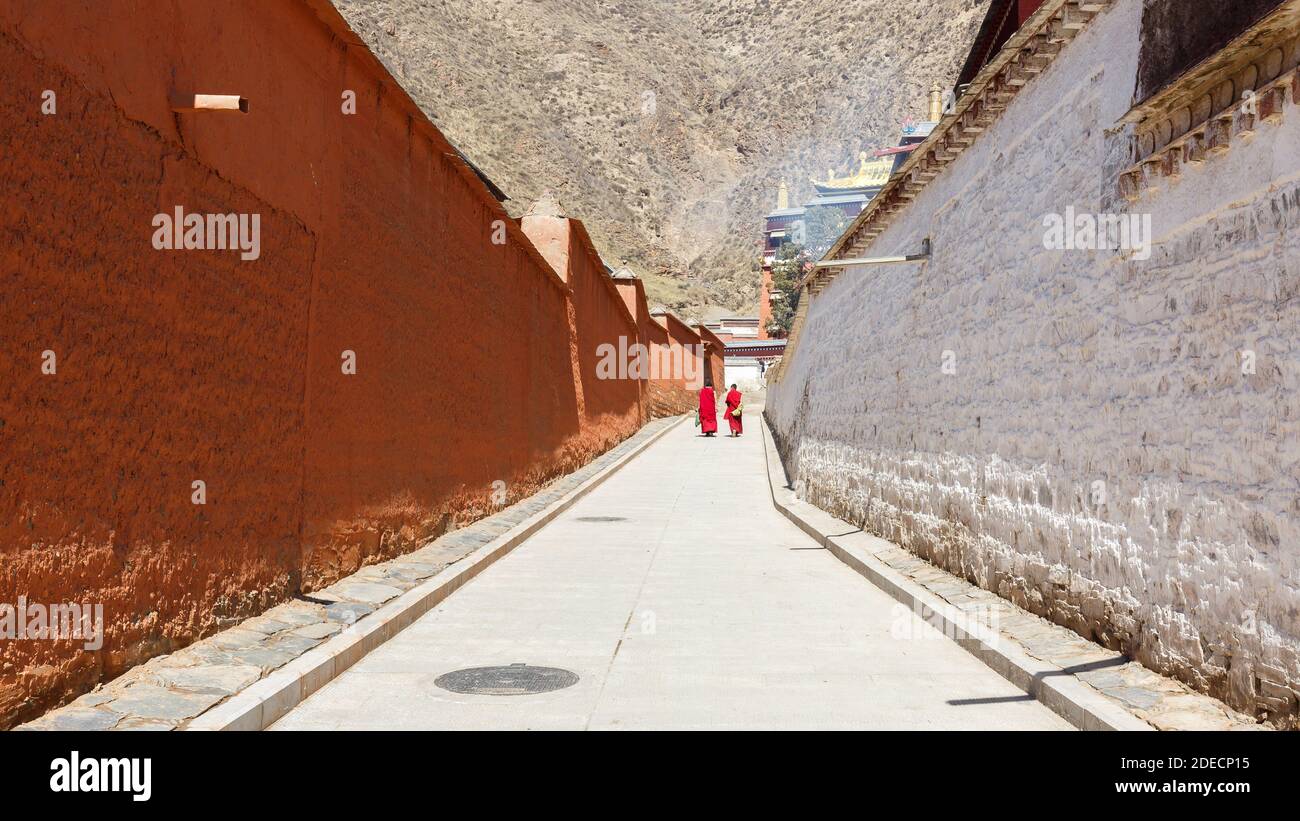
point(510, 680)
point(601, 519)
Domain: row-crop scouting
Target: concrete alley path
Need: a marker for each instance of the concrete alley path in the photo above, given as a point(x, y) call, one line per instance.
point(682, 600)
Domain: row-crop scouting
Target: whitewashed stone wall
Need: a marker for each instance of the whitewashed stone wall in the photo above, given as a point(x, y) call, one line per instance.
point(1098, 455)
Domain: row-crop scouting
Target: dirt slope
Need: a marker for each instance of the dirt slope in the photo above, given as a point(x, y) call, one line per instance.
point(666, 124)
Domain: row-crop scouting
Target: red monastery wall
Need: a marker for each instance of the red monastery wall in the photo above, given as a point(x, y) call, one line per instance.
point(715, 353)
point(472, 358)
point(665, 396)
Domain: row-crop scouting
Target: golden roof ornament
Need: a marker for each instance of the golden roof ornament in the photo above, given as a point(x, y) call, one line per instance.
point(870, 174)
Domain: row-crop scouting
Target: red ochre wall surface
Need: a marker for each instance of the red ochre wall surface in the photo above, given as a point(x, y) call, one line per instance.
point(599, 322)
point(665, 396)
point(474, 360)
point(714, 349)
point(687, 352)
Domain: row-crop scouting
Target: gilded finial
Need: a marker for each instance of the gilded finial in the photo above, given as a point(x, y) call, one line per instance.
point(936, 103)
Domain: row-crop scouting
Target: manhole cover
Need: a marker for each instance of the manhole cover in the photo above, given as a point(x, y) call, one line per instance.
point(510, 680)
point(601, 519)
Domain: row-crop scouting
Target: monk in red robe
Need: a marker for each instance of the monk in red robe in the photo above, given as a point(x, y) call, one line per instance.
point(708, 410)
point(734, 411)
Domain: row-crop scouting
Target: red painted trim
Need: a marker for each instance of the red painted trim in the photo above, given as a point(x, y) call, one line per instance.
point(1028, 7)
point(899, 149)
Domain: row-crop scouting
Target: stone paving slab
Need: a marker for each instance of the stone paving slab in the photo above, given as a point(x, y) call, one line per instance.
point(678, 598)
point(168, 692)
point(1160, 702)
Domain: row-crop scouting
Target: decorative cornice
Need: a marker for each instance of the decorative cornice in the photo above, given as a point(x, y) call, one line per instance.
point(1200, 114)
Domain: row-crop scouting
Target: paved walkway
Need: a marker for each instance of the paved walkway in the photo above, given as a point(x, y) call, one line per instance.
point(169, 691)
point(682, 599)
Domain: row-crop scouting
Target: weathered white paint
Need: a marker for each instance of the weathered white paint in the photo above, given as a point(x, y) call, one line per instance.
point(1097, 454)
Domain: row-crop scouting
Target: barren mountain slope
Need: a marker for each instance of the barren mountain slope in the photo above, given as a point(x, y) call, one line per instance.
point(665, 125)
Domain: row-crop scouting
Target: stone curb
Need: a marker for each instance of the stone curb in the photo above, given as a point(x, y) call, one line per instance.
point(1058, 690)
point(267, 700)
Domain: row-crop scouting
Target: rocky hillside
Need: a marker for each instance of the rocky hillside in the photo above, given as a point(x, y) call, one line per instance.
point(666, 124)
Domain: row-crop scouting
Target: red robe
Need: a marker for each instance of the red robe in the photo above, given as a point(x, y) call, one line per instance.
point(708, 411)
point(733, 402)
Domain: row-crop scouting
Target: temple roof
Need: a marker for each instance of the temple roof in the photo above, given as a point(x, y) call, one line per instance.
point(839, 199)
point(870, 174)
point(786, 212)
